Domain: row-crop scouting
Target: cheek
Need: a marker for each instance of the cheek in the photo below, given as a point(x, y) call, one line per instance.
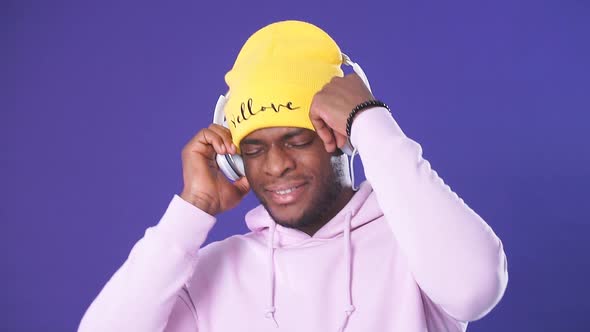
point(251, 170)
point(317, 159)
point(254, 169)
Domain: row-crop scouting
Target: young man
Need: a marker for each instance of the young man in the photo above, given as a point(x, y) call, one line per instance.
point(403, 253)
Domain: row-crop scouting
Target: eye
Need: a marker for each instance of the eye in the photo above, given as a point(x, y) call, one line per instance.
point(251, 151)
point(298, 144)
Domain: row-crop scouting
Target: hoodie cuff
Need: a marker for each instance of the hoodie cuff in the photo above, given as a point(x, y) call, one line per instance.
point(185, 224)
point(371, 126)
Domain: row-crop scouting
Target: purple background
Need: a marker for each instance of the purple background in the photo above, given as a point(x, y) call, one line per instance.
point(97, 101)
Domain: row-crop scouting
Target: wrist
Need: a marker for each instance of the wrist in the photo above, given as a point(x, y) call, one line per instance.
point(360, 108)
point(373, 126)
point(200, 201)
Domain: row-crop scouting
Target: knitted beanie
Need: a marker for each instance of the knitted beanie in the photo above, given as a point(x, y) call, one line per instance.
point(276, 74)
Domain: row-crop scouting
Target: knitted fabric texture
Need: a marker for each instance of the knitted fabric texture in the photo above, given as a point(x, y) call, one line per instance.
point(275, 76)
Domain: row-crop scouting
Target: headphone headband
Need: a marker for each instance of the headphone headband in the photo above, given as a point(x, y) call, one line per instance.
point(357, 69)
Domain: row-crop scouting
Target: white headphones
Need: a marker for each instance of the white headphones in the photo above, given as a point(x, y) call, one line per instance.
point(233, 165)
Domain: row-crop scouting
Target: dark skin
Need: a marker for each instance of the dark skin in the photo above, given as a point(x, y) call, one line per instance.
point(295, 159)
point(307, 180)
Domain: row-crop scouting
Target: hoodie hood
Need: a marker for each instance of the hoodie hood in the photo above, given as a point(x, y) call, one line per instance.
point(362, 207)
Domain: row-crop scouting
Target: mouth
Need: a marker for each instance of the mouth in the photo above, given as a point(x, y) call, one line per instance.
point(285, 194)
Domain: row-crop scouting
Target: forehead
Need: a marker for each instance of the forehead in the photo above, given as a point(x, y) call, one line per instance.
point(275, 133)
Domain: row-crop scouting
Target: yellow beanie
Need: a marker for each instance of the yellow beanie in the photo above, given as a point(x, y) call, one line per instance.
point(276, 74)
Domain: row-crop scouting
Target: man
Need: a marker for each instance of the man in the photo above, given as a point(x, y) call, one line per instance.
point(403, 253)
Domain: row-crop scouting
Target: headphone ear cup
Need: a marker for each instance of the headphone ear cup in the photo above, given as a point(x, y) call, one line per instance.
point(239, 164)
point(347, 148)
point(225, 165)
point(230, 165)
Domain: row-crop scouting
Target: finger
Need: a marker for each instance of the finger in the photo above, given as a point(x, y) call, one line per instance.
point(209, 137)
point(242, 185)
point(340, 139)
point(314, 107)
point(225, 134)
point(321, 127)
point(325, 133)
point(327, 136)
point(196, 145)
point(330, 144)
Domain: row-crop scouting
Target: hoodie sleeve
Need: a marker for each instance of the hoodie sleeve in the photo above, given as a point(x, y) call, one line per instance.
point(147, 288)
point(455, 257)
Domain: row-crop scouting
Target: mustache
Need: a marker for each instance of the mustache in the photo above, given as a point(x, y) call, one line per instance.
point(280, 181)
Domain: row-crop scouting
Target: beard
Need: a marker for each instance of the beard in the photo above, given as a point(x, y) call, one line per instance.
point(323, 202)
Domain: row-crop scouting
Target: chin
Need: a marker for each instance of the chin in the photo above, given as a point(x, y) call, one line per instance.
point(307, 210)
point(288, 216)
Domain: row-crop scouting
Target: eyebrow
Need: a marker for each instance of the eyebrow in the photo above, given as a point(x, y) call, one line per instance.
point(252, 141)
point(291, 134)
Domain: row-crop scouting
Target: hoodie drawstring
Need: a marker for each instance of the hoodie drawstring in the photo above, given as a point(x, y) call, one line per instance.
point(347, 271)
point(351, 168)
point(270, 312)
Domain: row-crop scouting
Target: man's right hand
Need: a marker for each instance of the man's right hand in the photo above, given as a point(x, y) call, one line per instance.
point(205, 186)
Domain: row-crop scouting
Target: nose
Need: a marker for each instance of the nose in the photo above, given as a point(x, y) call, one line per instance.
point(278, 161)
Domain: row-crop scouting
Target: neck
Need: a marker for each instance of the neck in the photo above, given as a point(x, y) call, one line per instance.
point(343, 199)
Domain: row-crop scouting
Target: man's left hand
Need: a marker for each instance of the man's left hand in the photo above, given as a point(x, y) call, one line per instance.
point(331, 106)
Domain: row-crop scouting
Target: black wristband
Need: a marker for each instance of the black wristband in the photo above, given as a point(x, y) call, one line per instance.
point(360, 107)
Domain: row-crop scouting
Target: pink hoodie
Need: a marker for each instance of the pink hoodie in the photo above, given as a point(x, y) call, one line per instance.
point(405, 254)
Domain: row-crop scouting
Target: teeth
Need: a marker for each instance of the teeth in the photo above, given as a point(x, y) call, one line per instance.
point(284, 192)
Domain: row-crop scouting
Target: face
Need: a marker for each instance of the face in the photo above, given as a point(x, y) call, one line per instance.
point(299, 183)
